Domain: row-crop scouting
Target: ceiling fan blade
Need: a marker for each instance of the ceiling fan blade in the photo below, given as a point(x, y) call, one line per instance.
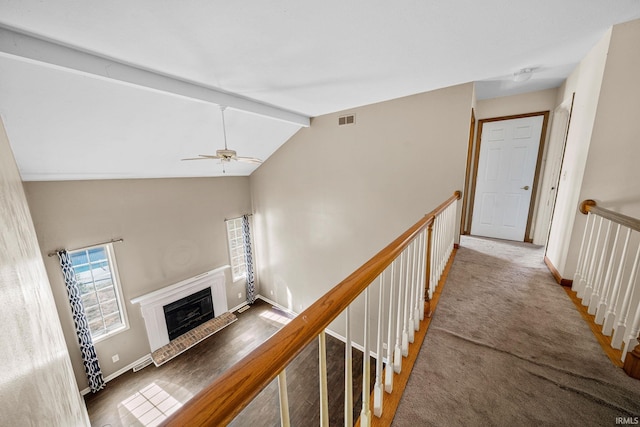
point(203, 157)
point(248, 160)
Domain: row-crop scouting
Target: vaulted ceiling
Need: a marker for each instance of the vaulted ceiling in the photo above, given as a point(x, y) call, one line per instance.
point(125, 89)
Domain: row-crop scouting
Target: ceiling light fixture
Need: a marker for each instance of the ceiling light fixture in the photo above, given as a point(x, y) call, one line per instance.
point(523, 75)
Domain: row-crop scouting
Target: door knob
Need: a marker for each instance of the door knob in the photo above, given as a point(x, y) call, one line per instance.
point(526, 187)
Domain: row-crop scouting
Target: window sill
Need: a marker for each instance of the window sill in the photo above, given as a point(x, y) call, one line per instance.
point(110, 334)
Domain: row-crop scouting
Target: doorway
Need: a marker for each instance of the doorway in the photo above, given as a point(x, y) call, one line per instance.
point(506, 168)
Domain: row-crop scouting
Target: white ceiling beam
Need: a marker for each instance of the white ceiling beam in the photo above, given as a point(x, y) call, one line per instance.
point(22, 45)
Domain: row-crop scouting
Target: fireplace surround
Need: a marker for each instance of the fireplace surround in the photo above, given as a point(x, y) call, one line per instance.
point(188, 312)
point(152, 304)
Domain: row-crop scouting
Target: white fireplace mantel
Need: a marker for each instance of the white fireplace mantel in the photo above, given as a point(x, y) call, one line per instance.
point(152, 304)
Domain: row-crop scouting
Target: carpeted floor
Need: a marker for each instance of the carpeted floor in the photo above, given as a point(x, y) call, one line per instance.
point(506, 347)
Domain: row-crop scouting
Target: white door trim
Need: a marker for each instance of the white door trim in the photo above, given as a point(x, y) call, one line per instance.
point(534, 187)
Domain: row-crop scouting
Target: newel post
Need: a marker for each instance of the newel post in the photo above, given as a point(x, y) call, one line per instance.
point(632, 362)
point(427, 279)
point(584, 206)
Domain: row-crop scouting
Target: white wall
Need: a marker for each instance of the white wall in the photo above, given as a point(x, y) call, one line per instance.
point(602, 149)
point(585, 81)
point(173, 229)
point(612, 175)
point(331, 197)
point(611, 172)
point(37, 386)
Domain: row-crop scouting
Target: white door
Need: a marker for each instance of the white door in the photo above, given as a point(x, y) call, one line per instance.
point(551, 176)
point(504, 182)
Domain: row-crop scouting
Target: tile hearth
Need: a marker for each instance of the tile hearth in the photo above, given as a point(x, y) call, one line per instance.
point(191, 338)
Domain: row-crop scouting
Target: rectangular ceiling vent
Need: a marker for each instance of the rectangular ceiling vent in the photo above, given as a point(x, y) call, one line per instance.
point(347, 120)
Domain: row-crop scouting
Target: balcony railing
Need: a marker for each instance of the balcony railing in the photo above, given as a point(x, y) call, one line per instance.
point(606, 278)
point(400, 279)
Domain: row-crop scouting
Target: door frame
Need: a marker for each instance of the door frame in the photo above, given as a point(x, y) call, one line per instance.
point(465, 194)
point(536, 175)
point(556, 178)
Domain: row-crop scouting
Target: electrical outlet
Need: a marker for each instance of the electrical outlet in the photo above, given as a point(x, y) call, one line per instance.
point(115, 358)
point(384, 345)
point(271, 291)
point(239, 295)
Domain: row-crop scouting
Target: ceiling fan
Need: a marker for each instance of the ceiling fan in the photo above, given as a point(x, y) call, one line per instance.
point(225, 155)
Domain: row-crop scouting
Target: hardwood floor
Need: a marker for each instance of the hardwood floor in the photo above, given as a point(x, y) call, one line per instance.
point(146, 397)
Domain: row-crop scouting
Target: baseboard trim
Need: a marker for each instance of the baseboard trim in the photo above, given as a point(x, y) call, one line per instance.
point(120, 371)
point(614, 355)
point(556, 275)
point(238, 307)
point(276, 305)
point(327, 331)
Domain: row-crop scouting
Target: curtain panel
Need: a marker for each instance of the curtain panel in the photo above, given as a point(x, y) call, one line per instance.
point(248, 258)
point(89, 357)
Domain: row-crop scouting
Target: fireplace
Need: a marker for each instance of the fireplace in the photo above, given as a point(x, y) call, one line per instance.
point(152, 304)
point(188, 312)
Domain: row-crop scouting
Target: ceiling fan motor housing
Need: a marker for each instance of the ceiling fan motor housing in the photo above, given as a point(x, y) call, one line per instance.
point(226, 154)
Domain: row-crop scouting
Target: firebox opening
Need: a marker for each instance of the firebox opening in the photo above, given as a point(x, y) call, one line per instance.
point(187, 313)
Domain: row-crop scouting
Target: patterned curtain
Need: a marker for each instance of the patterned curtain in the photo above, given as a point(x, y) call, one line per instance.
point(248, 259)
point(89, 357)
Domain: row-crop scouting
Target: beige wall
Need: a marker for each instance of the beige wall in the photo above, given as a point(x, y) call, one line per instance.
point(586, 82)
point(173, 229)
point(332, 196)
point(542, 100)
point(36, 380)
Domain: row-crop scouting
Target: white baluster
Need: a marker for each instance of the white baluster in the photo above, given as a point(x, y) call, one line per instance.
point(439, 250)
point(588, 289)
point(397, 355)
point(610, 317)
point(324, 391)
point(378, 386)
point(598, 283)
point(433, 283)
point(585, 262)
point(388, 378)
point(416, 288)
point(605, 296)
point(407, 309)
point(348, 371)
point(365, 414)
point(421, 279)
point(619, 334)
point(632, 337)
point(432, 260)
point(284, 399)
point(578, 274)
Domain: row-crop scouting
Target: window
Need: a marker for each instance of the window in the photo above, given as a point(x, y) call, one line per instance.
point(97, 278)
point(236, 248)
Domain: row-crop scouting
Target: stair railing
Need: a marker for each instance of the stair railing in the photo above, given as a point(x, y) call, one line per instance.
point(606, 277)
point(404, 274)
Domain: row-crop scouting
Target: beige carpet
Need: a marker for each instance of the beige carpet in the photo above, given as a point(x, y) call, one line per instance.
point(506, 347)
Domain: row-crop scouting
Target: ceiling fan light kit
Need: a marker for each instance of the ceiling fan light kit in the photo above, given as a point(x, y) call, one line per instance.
point(225, 155)
point(523, 75)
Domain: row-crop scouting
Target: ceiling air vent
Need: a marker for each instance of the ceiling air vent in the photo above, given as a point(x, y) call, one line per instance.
point(347, 120)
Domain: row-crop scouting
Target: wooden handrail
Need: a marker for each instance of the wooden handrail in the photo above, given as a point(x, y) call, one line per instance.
point(223, 399)
point(591, 206)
